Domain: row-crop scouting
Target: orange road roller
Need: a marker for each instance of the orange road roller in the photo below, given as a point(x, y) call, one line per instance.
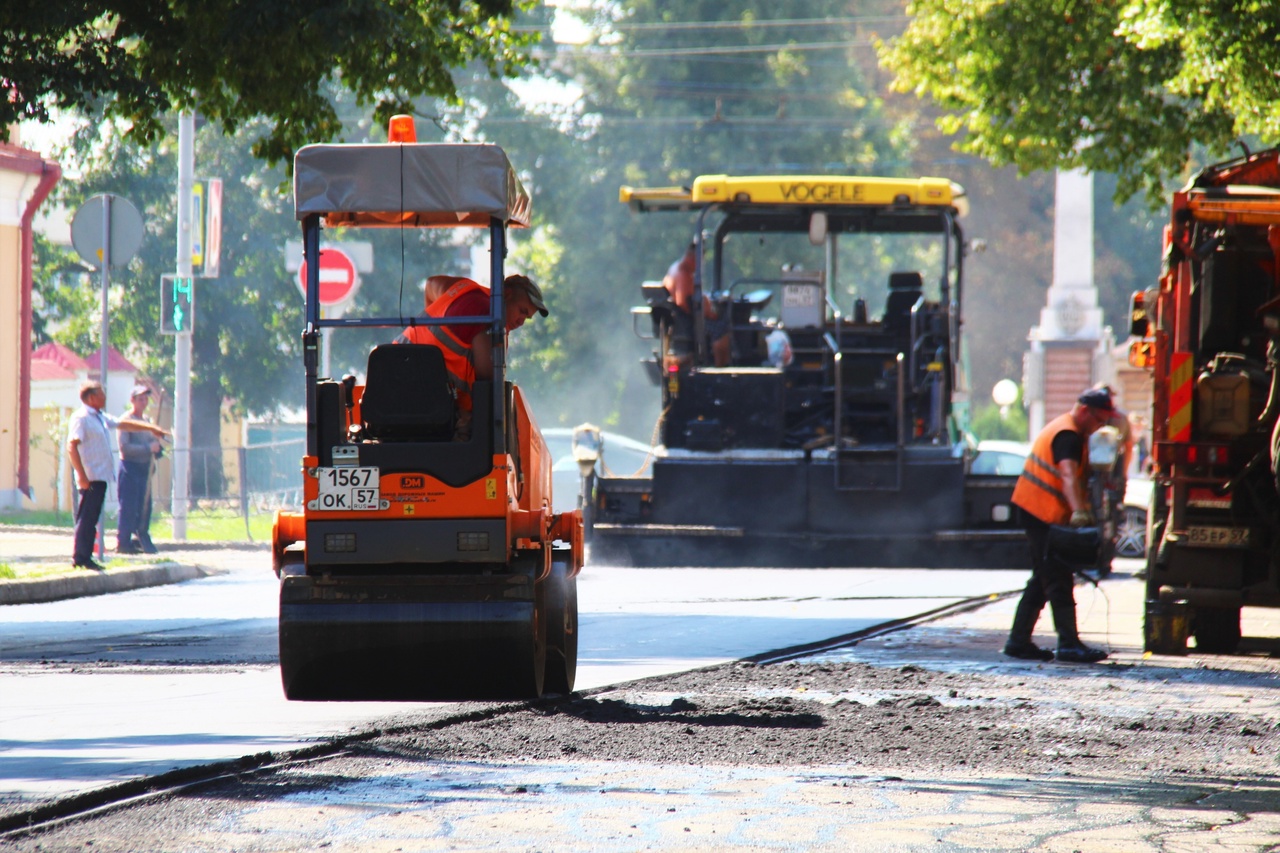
point(426, 563)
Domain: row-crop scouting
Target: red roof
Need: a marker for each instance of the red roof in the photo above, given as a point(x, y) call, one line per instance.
point(46, 368)
point(18, 151)
point(59, 355)
point(115, 361)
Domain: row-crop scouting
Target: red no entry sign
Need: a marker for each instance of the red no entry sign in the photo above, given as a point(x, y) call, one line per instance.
point(337, 277)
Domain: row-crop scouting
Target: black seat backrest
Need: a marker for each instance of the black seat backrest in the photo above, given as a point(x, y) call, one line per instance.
point(904, 291)
point(406, 394)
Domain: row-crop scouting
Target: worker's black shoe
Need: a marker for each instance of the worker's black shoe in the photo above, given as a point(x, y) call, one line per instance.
point(1080, 654)
point(1027, 651)
point(89, 564)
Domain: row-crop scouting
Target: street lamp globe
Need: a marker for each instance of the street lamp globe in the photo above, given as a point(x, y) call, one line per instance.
point(1005, 393)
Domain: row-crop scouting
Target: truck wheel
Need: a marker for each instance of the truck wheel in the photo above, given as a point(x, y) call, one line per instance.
point(1157, 518)
point(1156, 625)
point(1217, 630)
point(559, 598)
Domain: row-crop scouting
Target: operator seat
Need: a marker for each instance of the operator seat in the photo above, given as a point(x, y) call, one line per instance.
point(905, 289)
point(406, 394)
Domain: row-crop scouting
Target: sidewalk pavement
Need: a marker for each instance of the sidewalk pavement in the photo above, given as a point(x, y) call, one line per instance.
point(1110, 616)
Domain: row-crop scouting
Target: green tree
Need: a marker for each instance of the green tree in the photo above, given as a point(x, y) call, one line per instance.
point(989, 422)
point(246, 345)
point(672, 90)
point(1131, 88)
point(233, 62)
point(246, 322)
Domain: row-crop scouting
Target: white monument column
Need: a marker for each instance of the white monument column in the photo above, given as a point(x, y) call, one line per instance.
point(1070, 348)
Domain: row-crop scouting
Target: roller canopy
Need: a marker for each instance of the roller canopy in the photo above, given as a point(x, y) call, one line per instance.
point(427, 185)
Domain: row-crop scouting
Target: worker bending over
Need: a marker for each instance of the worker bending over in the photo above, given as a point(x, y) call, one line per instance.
point(1051, 490)
point(468, 349)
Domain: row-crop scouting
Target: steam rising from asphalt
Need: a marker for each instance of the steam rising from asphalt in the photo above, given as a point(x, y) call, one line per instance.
point(612, 392)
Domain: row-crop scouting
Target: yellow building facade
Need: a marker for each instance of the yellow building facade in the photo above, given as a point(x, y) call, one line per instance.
point(26, 179)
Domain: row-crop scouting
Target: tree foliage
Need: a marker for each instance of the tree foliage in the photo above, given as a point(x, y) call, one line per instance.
point(669, 91)
point(233, 61)
point(672, 90)
point(1129, 87)
point(992, 423)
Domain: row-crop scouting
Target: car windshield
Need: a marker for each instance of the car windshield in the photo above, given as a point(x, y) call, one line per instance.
point(998, 461)
point(865, 261)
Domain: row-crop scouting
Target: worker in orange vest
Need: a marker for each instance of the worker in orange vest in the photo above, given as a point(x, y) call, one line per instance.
point(1051, 490)
point(468, 349)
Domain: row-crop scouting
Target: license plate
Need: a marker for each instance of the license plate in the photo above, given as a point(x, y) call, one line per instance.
point(1218, 537)
point(348, 488)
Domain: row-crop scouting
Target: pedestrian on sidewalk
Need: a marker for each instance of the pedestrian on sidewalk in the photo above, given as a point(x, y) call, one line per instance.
point(1051, 490)
point(89, 450)
point(138, 451)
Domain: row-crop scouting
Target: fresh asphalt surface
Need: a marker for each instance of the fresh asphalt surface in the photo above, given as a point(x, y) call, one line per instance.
point(99, 690)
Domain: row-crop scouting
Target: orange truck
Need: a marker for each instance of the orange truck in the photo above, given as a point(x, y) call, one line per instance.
point(1209, 334)
point(425, 564)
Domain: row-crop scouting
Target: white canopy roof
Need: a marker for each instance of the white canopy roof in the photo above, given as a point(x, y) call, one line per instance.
point(423, 185)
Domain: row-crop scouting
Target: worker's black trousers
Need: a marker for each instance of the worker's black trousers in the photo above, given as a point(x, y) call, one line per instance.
point(1051, 581)
point(88, 509)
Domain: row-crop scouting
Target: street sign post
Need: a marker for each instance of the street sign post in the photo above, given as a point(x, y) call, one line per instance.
point(107, 219)
point(213, 229)
point(338, 286)
point(197, 224)
point(338, 279)
point(106, 231)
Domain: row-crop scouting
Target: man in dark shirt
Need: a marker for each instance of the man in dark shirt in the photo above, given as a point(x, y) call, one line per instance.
point(133, 479)
point(1051, 491)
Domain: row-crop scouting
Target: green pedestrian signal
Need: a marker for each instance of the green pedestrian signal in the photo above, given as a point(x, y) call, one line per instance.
point(177, 304)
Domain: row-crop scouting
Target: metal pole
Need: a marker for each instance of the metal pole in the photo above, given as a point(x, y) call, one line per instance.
point(182, 340)
point(106, 283)
point(325, 335)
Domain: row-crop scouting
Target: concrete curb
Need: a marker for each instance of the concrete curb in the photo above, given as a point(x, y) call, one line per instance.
point(84, 583)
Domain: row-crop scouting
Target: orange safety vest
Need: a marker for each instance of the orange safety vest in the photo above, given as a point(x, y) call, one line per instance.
point(457, 355)
point(1039, 488)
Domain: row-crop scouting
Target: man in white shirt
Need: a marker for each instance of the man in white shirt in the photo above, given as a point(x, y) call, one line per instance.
point(89, 449)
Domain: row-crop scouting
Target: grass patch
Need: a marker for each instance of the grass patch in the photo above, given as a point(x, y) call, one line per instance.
point(217, 526)
point(42, 517)
point(53, 568)
point(203, 525)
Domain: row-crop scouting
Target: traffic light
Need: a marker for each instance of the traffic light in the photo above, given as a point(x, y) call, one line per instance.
point(177, 304)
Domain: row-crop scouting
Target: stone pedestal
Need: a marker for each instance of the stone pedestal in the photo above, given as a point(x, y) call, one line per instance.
point(1070, 348)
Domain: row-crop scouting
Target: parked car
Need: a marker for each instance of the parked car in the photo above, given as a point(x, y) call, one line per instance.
point(1007, 458)
point(1131, 532)
point(1001, 458)
point(622, 457)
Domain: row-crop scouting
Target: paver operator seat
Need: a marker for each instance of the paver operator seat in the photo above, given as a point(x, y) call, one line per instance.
point(905, 289)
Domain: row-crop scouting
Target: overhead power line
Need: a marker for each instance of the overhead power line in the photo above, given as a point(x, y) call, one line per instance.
point(563, 52)
point(624, 26)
